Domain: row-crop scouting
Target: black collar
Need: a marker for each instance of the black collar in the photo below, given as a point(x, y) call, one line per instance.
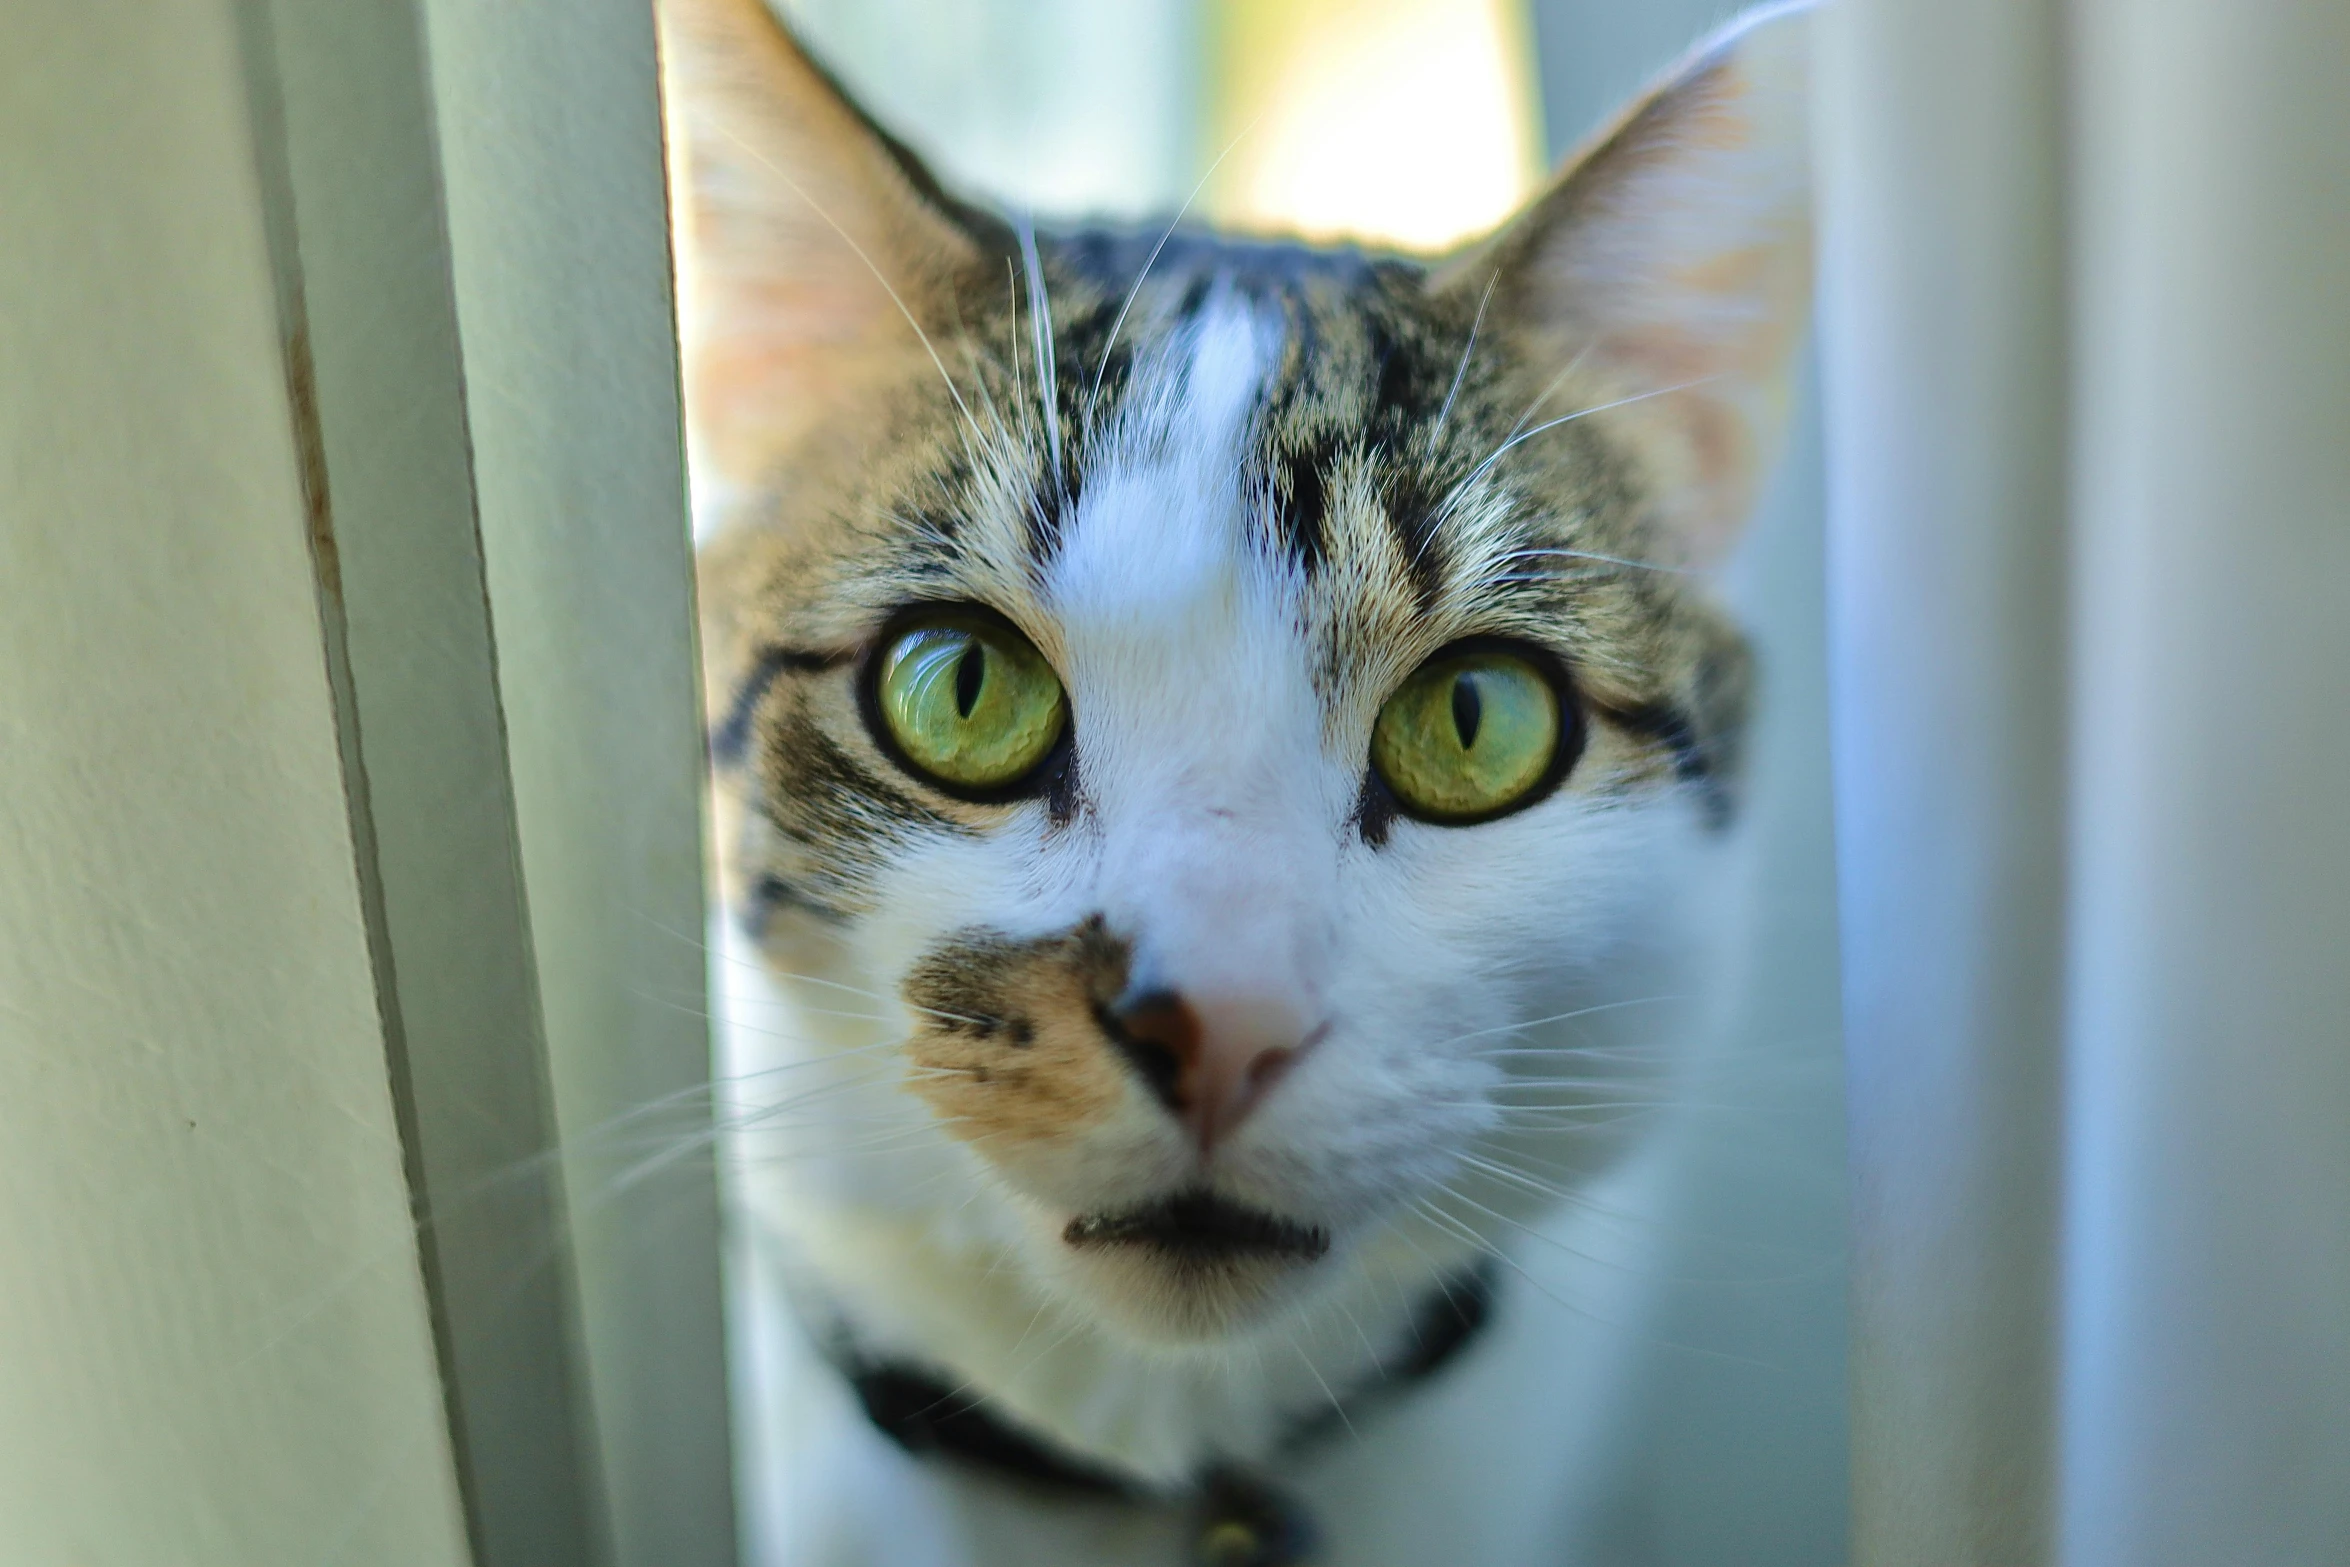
point(925, 1415)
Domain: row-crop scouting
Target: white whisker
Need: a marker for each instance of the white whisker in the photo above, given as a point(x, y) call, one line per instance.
point(1461, 489)
point(1048, 369)
point(1461, 371)
point(1093, 396)
point(1558, 1017)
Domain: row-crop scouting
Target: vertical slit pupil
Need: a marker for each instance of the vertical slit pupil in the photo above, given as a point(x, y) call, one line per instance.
point(970, 675)
point(1468, 709)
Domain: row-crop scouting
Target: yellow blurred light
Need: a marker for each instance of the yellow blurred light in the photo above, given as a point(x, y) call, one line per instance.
point(1410, 123)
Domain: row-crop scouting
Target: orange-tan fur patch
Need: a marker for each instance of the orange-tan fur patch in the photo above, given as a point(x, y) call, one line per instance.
point(1007, 1042)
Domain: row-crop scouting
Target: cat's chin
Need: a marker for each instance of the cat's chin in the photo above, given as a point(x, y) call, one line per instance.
point(1192, 1268)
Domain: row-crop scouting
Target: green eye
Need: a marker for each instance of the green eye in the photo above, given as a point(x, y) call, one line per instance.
point(1468, 736)
point(968, 701)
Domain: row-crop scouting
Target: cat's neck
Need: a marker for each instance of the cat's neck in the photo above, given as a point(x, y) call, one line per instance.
point(889, 1285)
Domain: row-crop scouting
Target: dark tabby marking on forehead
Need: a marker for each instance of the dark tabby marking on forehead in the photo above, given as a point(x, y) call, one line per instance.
point(1363, 367)
point(1358, 381)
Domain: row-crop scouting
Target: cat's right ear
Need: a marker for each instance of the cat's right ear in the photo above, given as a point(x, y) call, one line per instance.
point(1668, 267)
point(818, 251)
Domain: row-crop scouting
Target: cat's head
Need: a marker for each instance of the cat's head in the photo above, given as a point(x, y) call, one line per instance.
point(1224, 695)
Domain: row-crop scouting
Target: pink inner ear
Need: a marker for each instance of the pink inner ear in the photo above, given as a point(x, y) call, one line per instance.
point(1677, 254)
point(799, 215)
point(766, 355)
point(1726, 340)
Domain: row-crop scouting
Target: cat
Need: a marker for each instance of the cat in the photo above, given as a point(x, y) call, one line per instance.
point(1220, 749)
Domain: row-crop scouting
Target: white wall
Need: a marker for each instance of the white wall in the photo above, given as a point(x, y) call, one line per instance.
point(349, 765)
point(218, 1349)
point(548, 124)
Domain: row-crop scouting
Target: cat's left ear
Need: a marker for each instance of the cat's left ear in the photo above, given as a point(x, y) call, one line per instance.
point(1669, 265)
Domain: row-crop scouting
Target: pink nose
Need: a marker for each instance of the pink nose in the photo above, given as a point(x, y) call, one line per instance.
point(1213, 1062)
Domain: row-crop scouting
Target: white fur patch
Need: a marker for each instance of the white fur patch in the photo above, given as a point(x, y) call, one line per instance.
point(1158, 526)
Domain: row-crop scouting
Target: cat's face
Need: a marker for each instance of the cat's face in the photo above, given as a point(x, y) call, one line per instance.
point(1225, 694)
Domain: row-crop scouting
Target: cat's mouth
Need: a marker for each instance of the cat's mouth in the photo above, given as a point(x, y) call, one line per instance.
point(1200, 1227)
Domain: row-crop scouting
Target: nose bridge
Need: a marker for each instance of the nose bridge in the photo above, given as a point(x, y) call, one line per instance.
point(1223, 897)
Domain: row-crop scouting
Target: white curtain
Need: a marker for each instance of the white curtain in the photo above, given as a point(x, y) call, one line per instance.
point(2087, 330)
